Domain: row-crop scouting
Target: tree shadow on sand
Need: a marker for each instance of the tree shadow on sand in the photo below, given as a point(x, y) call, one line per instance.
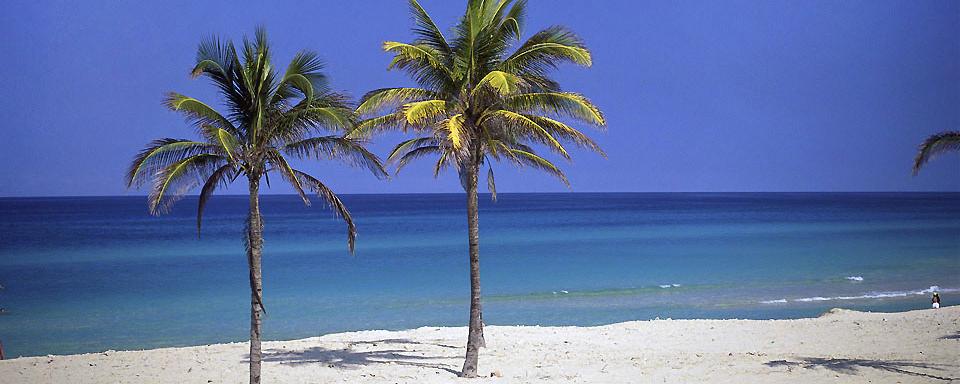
point(400, 341)
point(350, 359)
point(853, 366)
point(955, 336)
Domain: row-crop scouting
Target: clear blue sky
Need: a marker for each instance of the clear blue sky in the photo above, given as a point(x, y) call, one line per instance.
point(699, 95)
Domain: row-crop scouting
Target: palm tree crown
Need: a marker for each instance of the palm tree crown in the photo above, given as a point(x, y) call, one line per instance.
point(269, 116)
point(934, 146)
point(479, 100)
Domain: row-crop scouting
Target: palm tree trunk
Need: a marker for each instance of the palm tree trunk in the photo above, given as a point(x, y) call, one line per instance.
point(254, 252)
point(475, 336)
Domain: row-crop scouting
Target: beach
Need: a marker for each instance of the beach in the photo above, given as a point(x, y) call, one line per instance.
point(842, 346)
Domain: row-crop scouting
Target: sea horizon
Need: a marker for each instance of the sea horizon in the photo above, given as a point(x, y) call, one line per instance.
point(487, 194)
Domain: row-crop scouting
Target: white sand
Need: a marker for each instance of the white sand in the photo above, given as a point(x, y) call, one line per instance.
point(841, 346)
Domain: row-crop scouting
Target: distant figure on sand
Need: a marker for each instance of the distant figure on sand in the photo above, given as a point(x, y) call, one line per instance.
point(935, 300)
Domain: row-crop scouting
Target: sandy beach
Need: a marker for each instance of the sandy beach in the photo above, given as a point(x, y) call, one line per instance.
point(839, 346)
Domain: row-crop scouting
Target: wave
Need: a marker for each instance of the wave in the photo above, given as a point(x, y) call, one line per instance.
point(668, 285)
point(868, 295)
point(855, 278)
point(778, 301)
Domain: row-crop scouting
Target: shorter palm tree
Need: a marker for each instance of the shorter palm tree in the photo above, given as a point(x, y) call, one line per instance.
point(270, 116)
point(934, 146)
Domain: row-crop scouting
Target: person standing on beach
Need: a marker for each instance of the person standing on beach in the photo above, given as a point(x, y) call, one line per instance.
point(935, 300)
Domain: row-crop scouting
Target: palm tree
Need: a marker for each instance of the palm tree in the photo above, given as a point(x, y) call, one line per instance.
point(269, 116)
point(480, 101)
point(935, 145)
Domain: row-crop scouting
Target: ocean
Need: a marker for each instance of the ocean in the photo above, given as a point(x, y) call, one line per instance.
point(87, 274)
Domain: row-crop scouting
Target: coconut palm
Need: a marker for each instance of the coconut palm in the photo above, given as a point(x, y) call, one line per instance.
point(483, 97)
point(270, 117)
point(934, 146)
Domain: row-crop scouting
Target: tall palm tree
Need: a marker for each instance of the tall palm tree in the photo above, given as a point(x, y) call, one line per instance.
point(481, 101)
point(269, 117)
point(935, 145)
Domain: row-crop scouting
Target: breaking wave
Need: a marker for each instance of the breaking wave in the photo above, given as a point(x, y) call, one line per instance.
point(869, 295)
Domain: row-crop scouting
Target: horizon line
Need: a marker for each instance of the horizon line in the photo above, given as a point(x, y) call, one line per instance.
point(510, 193)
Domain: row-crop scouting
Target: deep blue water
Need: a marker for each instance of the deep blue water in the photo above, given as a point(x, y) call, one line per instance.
point(90, 274)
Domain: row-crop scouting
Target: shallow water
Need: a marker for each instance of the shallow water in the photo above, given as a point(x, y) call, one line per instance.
point(90, 274)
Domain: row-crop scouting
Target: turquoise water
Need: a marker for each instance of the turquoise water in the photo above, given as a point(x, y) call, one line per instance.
point(91, 274)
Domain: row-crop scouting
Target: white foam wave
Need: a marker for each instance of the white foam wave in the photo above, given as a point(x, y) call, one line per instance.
point(855, 278)
point(778, 301)
point(669, 285)
point(868, 295)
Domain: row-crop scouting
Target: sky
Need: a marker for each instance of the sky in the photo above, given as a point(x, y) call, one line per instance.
point(699, 95)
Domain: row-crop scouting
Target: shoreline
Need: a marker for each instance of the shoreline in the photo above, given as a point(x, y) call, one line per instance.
point(840, 345)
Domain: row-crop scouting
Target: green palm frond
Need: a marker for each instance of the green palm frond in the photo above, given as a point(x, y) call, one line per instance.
point(339, 148)
point(379, 124)
point(453, 127)
point(385, 97)
point(567, 104)
point(502, 82)
point(282, 167)
point(219, 178)
point(935, 145)
point(417, 153)
point(426, 30)
point(160, 154)
point(531, 159)
point(303, 76)
point(197, 112)
point(547, 49)
point(523, 126)
point(424, 112)
point(567, 133)
point(333, 201)
point(409, 145)
point(175, 180)
point(491, 184)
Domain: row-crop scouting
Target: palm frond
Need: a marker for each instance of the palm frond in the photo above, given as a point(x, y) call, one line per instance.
point(303, 75)
point(333, 201)
point(565, 132)
point(408, 145)
point(567, 104)
point(160, 154)
point(934, 146)
point(197, 112)
point(382, 98)
point(455, 130)
point(421, 61)
point(531, 159)
point(546, 50)
point(220, 177)
point(523, 126)
point(491, 184)
point(172, 182)
point(281, 165)
point(417, 153)
point(504, 83)
point(368, 127)
point(442, 162)
point(339, 148)
point(426, 30)
point(424, 112)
